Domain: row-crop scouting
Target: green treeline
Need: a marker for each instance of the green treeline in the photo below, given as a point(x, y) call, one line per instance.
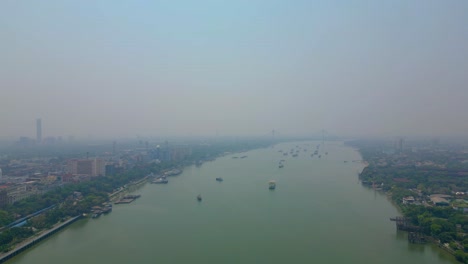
point(398, 175)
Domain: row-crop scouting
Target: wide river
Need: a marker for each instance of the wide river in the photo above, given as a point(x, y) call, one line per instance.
point(319, 213)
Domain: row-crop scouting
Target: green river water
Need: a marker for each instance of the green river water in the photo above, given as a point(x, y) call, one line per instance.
point(319, 213)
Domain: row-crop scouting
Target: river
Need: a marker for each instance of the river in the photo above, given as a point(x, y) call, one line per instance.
point(319, 213)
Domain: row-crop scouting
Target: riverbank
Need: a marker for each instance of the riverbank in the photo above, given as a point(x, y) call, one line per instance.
point(396, 194)
point(35, 239)
point(115, 196)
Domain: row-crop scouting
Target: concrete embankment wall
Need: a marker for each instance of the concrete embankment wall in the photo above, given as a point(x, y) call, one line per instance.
point(33, 241)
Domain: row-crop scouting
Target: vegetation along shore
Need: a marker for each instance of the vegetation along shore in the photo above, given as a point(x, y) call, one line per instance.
point(428, 182)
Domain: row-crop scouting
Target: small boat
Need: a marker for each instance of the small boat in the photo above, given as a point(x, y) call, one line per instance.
point(271, 185)
point(96, 214)
point(280, 166)
point(199, 198)
point(219, 179)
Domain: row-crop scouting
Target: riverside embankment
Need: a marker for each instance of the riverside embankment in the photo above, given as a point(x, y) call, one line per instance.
point(35, 239)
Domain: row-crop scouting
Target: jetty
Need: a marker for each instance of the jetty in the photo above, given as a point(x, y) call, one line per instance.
point(404, 224)
point(34, 240)
point(127, 199)
point(414, 233)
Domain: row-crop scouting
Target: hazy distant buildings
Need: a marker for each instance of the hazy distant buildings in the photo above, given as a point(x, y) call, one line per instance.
point(38, 130)
point(91, 167)
point(25, 141)
point(179, 153)
point(173, 153)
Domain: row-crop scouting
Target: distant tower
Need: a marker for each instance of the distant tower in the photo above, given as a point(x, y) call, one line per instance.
point(38, 130)
point(400, 144)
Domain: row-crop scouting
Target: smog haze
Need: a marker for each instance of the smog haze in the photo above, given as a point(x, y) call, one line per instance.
point(201, 68)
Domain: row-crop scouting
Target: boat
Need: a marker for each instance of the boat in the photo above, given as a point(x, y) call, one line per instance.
point(199, 198)
point(96, 214)
point(219, 179)
point(173, 172)
point(271, 185)
point(160, 181)
point(280, 166)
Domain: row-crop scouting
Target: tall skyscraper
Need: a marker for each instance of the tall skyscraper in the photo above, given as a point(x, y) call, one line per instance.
point(38, 130)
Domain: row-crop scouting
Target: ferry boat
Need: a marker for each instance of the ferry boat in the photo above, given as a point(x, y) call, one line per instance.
point(271, 185)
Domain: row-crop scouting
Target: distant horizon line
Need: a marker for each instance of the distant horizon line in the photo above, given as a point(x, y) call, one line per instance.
point(241, 136)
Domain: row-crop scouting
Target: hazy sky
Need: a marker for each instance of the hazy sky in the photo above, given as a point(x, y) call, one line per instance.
point(185, 68)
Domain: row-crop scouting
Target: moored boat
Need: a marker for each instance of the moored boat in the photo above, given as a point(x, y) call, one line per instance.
point(160, 181)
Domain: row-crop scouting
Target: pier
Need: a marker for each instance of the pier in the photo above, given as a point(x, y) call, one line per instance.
point(414, 234)
point(404, 224)
point(31, 242)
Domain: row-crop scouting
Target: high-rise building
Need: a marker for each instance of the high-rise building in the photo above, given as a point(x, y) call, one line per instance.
point(400, 144)
point(38, 130)
point(91, 167)
point(99, 167)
